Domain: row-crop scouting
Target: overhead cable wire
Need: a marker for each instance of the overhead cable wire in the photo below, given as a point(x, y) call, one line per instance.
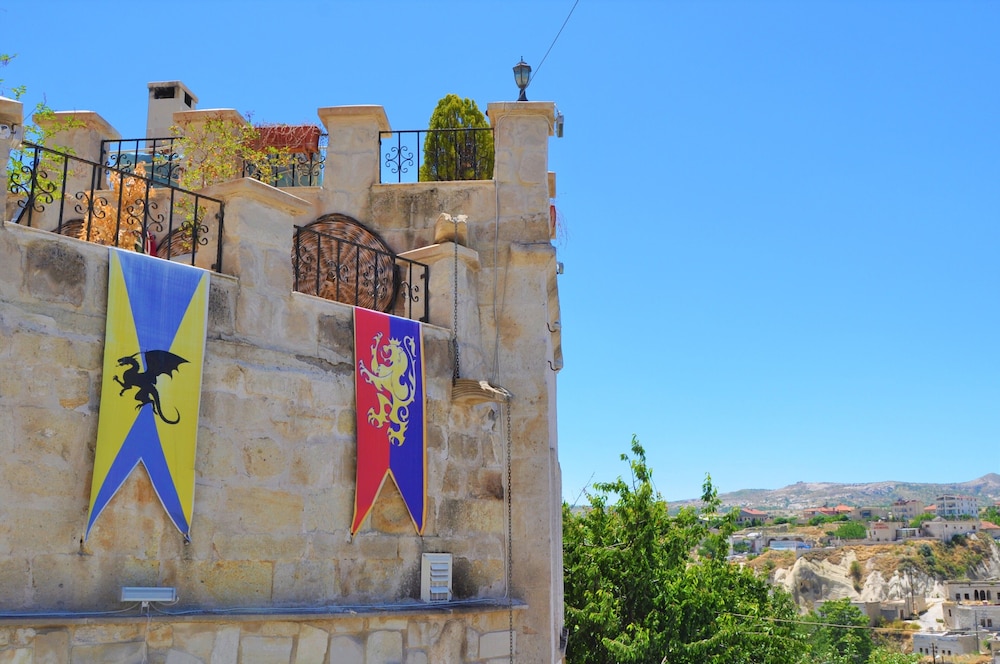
point(538, 68)
point(820, 624)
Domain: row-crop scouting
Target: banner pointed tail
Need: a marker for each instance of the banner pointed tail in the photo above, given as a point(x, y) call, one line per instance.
point(389, 381)
point(150, 395)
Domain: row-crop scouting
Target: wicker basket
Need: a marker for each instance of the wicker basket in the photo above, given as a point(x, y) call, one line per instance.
point(355, 266)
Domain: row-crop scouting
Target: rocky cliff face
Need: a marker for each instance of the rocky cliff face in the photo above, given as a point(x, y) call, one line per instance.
point(867, 574)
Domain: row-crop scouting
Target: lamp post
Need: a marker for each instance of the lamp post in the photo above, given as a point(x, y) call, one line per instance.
point(522, 76)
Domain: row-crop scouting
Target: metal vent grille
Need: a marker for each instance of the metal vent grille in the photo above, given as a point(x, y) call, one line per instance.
point(435, 577)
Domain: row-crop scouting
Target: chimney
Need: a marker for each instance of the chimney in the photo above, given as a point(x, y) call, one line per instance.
point(165, 98)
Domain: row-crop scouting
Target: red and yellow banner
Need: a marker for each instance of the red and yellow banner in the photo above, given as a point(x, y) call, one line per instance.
point(389, 379)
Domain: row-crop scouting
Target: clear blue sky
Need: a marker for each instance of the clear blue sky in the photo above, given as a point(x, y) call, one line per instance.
point(781, 230)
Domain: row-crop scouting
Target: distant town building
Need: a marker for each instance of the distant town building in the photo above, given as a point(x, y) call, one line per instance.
point(944, 530)
point(893, 609)
point(972, 606)
point(906, 510)
point(884, 531)
point(869, 513)
point(945, 644)
point(752, 517)
point(973, 591)
point(971, 617)
point(956, 505)
point(788, 545)
point(839, 510)
point(989, 528)
point(752, 543)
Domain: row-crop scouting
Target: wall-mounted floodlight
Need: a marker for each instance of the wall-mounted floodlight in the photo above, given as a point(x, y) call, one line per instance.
point(145, 595)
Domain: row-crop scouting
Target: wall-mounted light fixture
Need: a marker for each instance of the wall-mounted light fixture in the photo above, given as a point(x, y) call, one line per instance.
point(522, 76)
point(147, 595)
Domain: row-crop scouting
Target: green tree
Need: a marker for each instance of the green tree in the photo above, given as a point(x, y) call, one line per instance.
point(842, 635)
point(920, 518)
point(32, 131)
point(886, 656)
point(991, 514)
point(636, 592)
point(15, 92)
point(453, 149)
point(851, 530)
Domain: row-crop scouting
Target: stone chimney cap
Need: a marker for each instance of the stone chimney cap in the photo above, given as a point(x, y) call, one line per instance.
point(173, 84)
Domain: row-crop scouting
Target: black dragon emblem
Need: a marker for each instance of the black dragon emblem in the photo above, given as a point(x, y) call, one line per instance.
point(157, 362)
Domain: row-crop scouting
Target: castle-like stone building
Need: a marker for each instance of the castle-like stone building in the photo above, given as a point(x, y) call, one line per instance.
point(272, 571)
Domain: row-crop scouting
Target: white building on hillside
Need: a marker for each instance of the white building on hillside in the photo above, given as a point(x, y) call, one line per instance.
point(956, 506)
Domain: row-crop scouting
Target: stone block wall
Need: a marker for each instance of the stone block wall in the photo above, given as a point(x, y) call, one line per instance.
point(276, 458)
point(277, 441)
point(477, 636)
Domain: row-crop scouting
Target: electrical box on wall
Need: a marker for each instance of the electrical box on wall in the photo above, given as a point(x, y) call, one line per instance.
point(435, 577)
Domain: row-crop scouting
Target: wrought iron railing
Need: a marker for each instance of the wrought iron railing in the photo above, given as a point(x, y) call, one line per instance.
point(160, 157)
point(348, 272)
point(300, 169)
point(164, 162)
point(431, 155)
point(65, 194)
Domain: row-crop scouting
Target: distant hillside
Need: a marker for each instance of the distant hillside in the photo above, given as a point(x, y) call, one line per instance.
point(811, 494)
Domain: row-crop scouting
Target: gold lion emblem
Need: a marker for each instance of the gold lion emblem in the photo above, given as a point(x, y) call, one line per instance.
point(395, 382)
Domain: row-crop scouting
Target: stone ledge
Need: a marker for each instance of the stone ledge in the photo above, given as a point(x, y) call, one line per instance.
point(262, 615)
point(445, 251)
point(76, 120)
point(260, 192)
point(500, 109)
point(184, 118)
point(331, 114)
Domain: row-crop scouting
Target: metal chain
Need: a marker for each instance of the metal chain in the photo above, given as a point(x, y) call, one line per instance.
point(454, 326)
point(510, 535)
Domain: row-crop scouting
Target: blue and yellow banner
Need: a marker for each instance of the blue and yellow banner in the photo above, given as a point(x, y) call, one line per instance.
point(150, 395)
point(389, 379)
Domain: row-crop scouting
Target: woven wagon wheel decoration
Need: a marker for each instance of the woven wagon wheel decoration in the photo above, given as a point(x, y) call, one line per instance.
point(177, 243)
point(339, 259)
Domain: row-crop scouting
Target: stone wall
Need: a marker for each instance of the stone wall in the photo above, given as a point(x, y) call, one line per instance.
point(462, 635)
point(276, 450)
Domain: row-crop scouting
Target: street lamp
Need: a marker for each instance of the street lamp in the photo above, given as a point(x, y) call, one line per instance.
point(522, 76)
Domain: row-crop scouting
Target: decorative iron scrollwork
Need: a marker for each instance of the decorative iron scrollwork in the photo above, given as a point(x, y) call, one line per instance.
point(399, 160)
